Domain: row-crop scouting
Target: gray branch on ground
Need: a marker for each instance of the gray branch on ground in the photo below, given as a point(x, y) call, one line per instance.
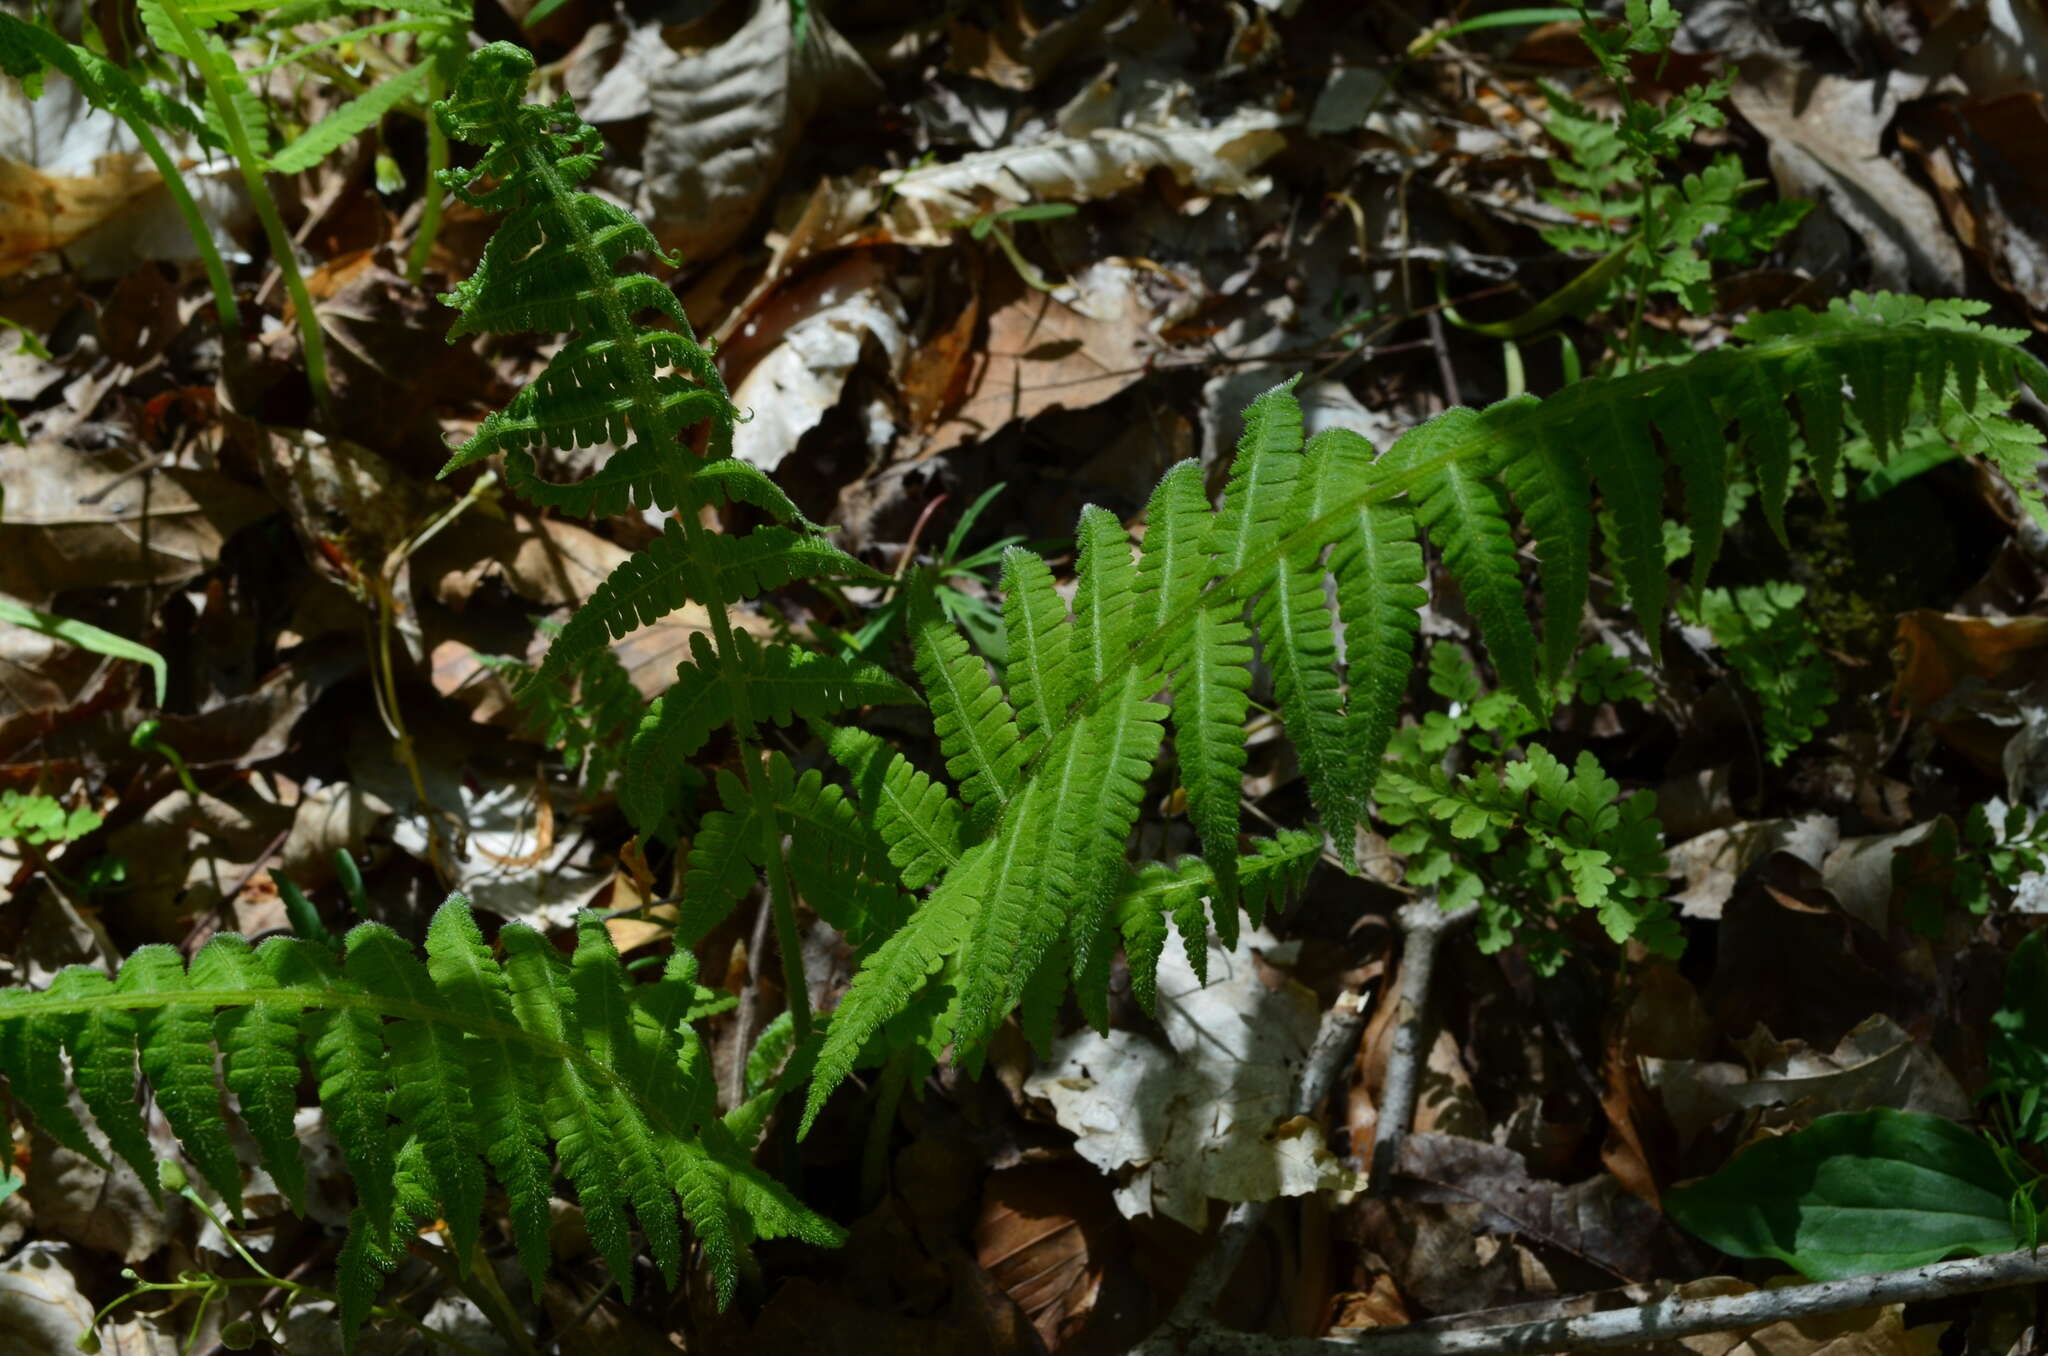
point(1424, 925)
point(1660, 1320)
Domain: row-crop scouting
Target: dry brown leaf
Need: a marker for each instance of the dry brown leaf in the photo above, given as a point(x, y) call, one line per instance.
point(1379, 1307)
point(1067, 349)
point(1595, 1221)
point(1016, 53)
point(42, 212)
point(813, 336)
point(933, 201)
point(1044, 1235)
point(1876, 1064)
point(1826, 134)
point(75, 522)
point(724, 120)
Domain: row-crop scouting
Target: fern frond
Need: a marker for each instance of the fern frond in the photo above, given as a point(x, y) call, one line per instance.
point(1042, 672)
point(893, 974)
point(976, 726)
point(1376, 560)
point(671, 571)
point(1275, 868)
point(1462, 508)
point(922, 826)
point(721, 871)
point(1289, 524)
point(436, 1077)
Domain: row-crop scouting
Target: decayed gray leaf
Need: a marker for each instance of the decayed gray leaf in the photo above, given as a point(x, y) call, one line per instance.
point(1207, 1119)
point(724, 120)
point(1710, 864)
point(1877, 1064)
point(1596, 1219)
point(1100, 164)
point(42, 1309)
point(106, 1210)
point(1825, 133)
point(68, 524)
point(799, 380)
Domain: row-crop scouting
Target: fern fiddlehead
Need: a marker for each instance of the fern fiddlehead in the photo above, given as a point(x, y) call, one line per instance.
point(553, 266)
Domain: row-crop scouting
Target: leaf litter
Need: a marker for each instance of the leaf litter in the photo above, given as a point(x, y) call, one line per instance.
point(1056, 249)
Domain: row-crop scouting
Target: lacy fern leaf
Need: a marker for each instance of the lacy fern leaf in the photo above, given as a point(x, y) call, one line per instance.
point(440, 1076)
point(553, 265)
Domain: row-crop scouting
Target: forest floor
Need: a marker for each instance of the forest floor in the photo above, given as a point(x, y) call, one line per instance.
point(970, 271)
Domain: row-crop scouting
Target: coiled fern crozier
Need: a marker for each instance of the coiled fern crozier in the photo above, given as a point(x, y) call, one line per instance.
point(441, 1076)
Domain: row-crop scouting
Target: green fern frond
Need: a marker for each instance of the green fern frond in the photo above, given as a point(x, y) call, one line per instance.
point(784, 684)
point(976, 726)
point(1044, 822)
point(923, 828)
point(438, 1077)
point(1157, 891)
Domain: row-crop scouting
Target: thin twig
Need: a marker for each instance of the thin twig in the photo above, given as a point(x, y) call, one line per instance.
point(1424, 925)
point(1336, 1041)
point(1658, 1321)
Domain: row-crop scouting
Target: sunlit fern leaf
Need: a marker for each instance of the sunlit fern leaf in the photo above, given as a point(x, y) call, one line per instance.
point(1376, 560)
point(1300, 643)
point(843, 871)
point(1093, 818)
point(177, 1059)
point(1043, 676)
point(669, 572)
point(507, 1083)
point(922, 826)
point(1260, 488)
point(101, 1043)
point(259, 1046)
point(1211, 671)
point(482, 1064)
point(1464, 512)
point(1549, 484)
point(976, 726)
point(1157, 891)
point(1283, 531)
point(894, 973)
point(344, 124)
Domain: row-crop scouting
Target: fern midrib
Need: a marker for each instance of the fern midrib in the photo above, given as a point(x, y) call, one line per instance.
point(647, 395)
point(1148, 651)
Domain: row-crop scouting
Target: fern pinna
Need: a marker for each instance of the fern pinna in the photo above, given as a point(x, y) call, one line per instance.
point(435, 1077)
point(552, 266)
point(1029, 860)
